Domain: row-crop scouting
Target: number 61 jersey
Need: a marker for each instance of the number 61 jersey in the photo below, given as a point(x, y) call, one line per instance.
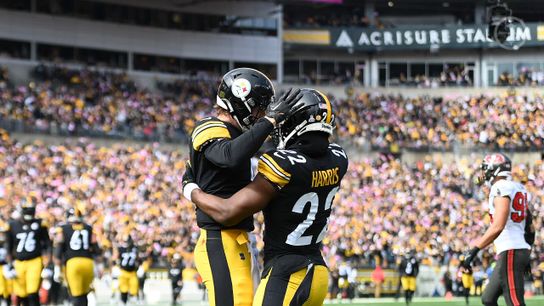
point(512, 236)
point(296, 219)
point(76, 240)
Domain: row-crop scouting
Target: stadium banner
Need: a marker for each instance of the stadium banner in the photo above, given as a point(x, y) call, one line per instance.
point(415, 37)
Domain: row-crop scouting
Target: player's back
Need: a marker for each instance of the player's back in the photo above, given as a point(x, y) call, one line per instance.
point(214, 179)
point(513, 234)
point(77, 240)
point(128, 258)
point(28, 238)
point(296, 219)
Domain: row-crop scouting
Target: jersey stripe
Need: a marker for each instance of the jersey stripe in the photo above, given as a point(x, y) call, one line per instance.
point(203, 126)
point(208, 131)
point(273, 172)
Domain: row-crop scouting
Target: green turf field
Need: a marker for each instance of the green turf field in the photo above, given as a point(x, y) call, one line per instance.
point(534, 301)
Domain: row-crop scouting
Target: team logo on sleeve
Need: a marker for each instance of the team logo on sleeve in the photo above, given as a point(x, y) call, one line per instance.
point(241, 88)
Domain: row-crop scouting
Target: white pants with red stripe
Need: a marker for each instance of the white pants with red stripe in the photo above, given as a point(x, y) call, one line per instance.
point(507, 279)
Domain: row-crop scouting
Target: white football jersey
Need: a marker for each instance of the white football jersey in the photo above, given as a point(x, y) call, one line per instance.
point(513, 235)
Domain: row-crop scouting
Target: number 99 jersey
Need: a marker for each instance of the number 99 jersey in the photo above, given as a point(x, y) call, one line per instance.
point(513, 235)
point(296, 219)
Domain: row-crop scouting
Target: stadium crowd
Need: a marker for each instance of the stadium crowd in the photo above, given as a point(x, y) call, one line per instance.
point(505, 122)
point(385, 207)
point(85, 102)
point(92, 103)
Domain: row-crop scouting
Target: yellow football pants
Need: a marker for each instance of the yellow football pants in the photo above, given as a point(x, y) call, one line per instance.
point(280, 290)
point(5, 285)
point(28, 278)
point(223, 261)
point(408, 283)
point(128, 282)
point(79, 275)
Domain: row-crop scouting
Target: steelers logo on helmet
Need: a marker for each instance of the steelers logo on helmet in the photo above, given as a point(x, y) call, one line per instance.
point(241, 88)
point(243, 92)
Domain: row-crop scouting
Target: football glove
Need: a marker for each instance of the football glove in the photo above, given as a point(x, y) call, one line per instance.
point(529, 229)
point(57, 274)
point(46, 273)
point(9, 271)
point(283, 107)
point(469, 257)
point(188, 181)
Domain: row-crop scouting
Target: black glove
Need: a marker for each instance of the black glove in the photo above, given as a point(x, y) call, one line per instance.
point(529, 229)
point(282, 108)
point(469, 257)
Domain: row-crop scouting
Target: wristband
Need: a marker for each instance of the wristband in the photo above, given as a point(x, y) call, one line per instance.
point(188, 189)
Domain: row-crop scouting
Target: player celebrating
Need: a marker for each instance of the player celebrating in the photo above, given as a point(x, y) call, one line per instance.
point(27, 241)
point(508, 208)
point(75, 245)
point(295, 189)
point(220, 154)
point(127, 257)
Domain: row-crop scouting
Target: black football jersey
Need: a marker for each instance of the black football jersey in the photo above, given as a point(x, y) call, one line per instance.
point(3, 254)
point(409, 267)
point(175, 272)
point(77, 240)
point(220, 181)
point(27, 240)
point(128, 258)
point(296, 219)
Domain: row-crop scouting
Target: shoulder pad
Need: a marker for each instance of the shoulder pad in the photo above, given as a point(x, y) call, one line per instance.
point(206, 130)
point(43, 223)
point(274, 166)
point(503, 188)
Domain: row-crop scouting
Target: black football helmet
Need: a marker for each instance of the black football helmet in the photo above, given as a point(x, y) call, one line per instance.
point(243, 91)
point(494, 165)
point(28, 208)
point(74, 214)
point(315, 116)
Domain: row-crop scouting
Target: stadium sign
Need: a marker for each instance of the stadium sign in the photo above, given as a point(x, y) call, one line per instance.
point(467, 36)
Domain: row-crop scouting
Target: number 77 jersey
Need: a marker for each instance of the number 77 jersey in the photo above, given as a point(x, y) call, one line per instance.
point(296, 219)
point(513, 235)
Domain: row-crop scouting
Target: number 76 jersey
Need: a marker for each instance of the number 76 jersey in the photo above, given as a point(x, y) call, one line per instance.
point(296, 219)
point(512, 236)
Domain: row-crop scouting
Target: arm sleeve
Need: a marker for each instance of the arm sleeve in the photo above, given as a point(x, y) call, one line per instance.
point(229, 153)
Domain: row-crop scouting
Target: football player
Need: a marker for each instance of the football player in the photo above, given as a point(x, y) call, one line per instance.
point(409, 269)
point(5, 284)
point(175, 274)
point(220, 154)
point(510, 231)
point(467, 278)
point(295, 187)
point(27, 241)
point(127, 258)
point(74, 247)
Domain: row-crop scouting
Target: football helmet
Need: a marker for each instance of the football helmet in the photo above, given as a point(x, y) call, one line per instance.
point(494, 165)
point(28, 208)
point(244, 92)
point(316, 115)
point(74, 214)
point(127, 241)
